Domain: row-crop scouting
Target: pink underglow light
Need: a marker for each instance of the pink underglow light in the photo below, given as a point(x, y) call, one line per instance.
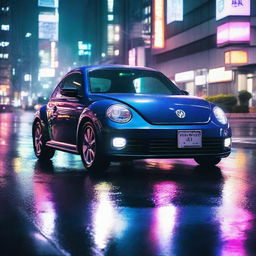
point(233, 32)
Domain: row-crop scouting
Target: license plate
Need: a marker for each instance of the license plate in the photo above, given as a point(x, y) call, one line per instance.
point(189, 138)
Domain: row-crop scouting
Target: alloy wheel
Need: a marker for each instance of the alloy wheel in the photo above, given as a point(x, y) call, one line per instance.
point(38, 139)
point(89, 145)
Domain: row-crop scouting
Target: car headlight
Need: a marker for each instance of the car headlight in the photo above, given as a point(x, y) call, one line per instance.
point(220, 115)
point(119, 113)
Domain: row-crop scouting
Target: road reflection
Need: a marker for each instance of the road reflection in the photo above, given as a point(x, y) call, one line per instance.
point(163, 208)
point(235, 219)
point(45, 213)
point(152, 207)
point(107, 221)
point(125, 211)
point(164, 216)
point(5, 138)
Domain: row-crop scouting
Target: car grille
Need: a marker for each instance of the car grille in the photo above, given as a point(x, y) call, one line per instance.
point(169, 146)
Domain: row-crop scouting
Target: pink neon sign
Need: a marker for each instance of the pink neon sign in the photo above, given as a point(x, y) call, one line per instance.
point(233, 32)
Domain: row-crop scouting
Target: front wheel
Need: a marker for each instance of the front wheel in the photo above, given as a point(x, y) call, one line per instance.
point(39, 143)
point(91, 153)
point(207, 161)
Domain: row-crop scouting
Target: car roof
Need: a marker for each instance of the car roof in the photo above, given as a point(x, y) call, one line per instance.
point(97, 67)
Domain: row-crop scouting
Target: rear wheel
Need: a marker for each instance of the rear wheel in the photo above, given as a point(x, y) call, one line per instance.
point(39, 142)
point(91, 153)
point(207, 161)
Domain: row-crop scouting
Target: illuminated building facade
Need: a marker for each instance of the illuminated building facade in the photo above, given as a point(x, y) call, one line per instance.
point(18, 51)
point(48, 36)
point(103, 32)
point(140, 27)
point(5, 57)
point(127, 30)
point(114, 32)
point(209, 47)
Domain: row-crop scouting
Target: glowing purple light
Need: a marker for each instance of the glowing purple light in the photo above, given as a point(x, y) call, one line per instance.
point(233, 32)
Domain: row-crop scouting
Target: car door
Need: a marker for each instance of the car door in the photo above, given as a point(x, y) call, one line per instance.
point(64, 111)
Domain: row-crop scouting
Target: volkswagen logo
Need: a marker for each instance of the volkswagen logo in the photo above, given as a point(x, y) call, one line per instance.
point(180, 113)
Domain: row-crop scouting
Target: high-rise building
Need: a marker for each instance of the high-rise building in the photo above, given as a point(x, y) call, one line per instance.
point(48, 37)
point(138, 21)
point(18, 51)
point(79, 34)
point(103, 32)
point(113, 31)
point(127, 29)
point(5, 56)
point(24, 54)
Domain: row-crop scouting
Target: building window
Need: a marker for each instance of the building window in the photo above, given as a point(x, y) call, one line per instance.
point(110, 33)
point(5, 9)
point(110, 50)
point(110, 17)
point(147, 10)
point(5, 27)
point(4, 55)
point(4, 43)
point(110, 5)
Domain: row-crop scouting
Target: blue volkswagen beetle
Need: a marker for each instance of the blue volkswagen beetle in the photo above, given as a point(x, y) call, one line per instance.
point(112, 113)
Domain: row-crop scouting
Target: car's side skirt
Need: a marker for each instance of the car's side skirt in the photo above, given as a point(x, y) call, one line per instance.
point(62, 146)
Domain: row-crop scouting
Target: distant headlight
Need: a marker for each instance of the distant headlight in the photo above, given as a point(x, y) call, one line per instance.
point(220, 115)
point(119, 113)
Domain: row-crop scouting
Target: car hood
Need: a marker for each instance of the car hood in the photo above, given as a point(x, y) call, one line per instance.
point(164, 109)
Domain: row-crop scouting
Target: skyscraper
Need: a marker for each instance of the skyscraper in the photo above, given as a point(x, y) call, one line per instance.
point(5, 60)
point(48, 37)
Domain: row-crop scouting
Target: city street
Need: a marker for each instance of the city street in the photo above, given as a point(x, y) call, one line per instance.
point(151, 207)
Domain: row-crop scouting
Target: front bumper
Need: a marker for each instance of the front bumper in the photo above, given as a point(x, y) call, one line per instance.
point(160, 141)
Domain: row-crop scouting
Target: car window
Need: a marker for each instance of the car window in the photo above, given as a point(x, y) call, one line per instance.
point(149, 85)
point(134, 81)
point(72, 81)
point(100, 84)
point(56, 92)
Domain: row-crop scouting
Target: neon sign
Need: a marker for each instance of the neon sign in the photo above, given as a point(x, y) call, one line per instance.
point(174, 11)
point(217, 75)
point(236, 57)
point(226, 8)
point(233, 32)
point(158, 41)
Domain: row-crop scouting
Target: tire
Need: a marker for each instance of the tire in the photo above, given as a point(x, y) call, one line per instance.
point(207, 161)
point(42, 152)
point(91, 153)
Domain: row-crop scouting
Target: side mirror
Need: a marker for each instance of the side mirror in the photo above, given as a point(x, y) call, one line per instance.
point(69, 92)
point(185, 92)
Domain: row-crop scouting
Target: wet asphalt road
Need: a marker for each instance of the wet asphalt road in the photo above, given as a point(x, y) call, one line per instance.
point(155, 207)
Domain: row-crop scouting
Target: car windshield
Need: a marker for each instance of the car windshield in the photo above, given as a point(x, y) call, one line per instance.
point(131, 81)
